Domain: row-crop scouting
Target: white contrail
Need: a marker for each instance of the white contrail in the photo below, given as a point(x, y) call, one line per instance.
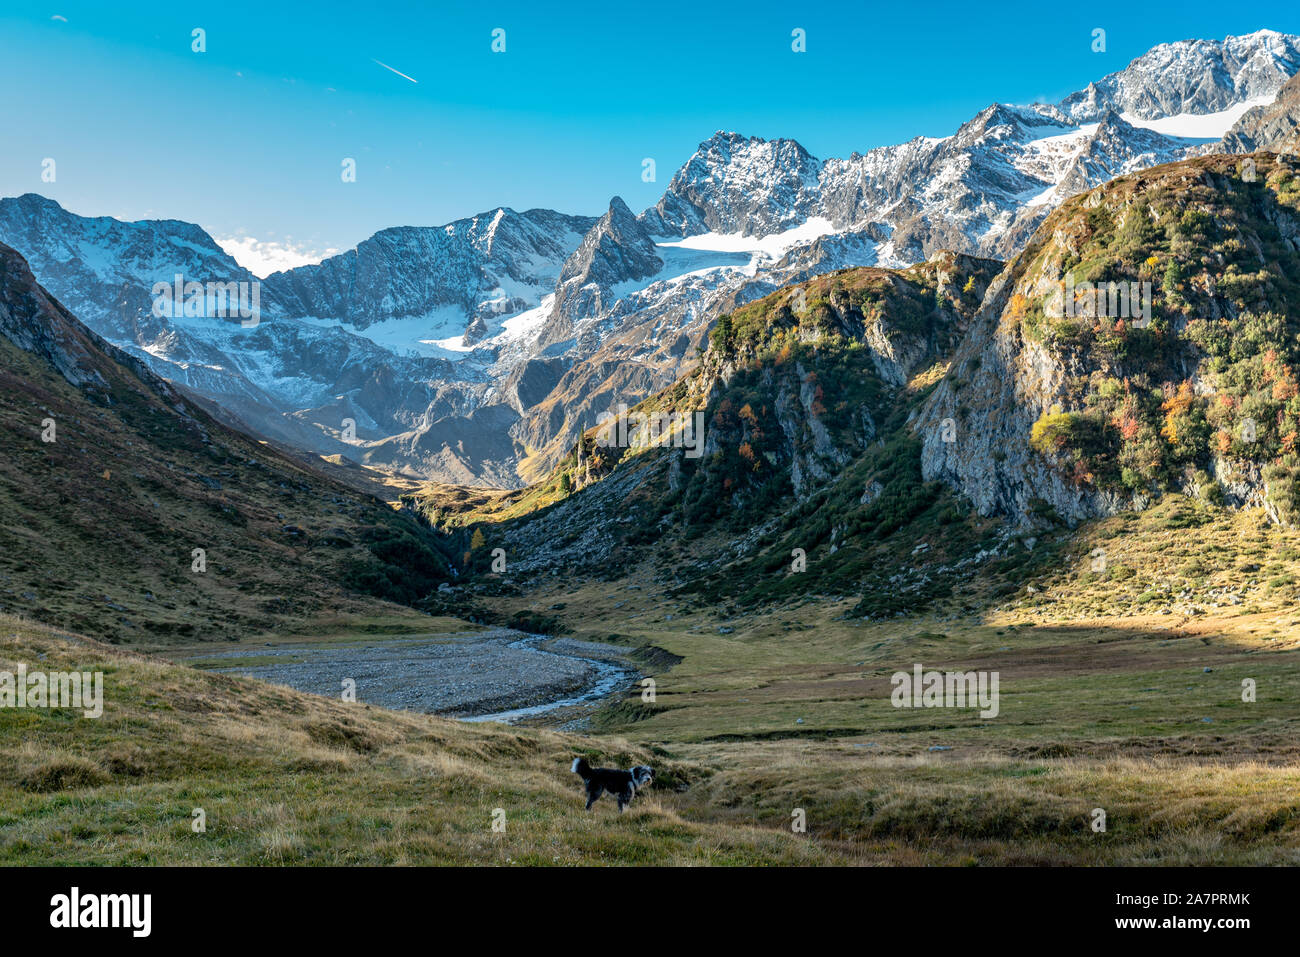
point(398, 72)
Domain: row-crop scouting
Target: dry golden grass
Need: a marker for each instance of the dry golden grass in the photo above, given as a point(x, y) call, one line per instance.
point(790, 709)
point(290, 778)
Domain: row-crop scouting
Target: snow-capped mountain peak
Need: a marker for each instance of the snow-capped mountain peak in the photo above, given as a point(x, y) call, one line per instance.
point(1192, 77)
point(738, 184)
point(526, 324)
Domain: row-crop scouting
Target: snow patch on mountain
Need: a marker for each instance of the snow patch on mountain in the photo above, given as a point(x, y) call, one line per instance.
point(1203, 126)
point(437, 334)
point(771, 246)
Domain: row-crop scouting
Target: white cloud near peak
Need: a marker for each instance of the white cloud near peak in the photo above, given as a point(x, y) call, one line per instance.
point(262, 257)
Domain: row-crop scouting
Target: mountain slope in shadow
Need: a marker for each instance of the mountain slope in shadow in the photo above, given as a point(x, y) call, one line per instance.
point(132, 515)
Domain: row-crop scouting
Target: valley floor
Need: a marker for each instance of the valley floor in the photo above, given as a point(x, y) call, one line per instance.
point(757, 721)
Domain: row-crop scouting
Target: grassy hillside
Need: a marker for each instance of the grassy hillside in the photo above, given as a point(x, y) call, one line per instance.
point(100, 524)
point(289, 778)
point(1193, 388)
point(1223, 346)
point(1108, 699)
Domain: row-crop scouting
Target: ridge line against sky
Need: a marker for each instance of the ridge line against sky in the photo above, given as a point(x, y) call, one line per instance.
point(247, 137)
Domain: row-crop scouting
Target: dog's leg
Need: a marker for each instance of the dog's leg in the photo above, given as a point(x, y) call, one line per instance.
point(624, 799)
point(593, 793)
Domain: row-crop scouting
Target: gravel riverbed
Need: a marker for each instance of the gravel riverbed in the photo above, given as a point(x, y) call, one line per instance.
point(493, 675)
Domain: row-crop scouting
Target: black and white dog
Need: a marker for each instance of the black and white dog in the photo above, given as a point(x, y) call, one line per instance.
point(622, 784)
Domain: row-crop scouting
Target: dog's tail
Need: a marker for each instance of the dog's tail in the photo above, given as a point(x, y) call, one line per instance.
point(581, 768)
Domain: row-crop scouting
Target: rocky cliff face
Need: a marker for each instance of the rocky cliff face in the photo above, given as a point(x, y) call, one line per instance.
point(616, 250)
point(1274, 126)
point(975, 432)
point(798, 384)
point(37, 324)
point(739, 184)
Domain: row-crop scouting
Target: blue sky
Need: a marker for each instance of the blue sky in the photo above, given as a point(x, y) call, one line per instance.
point(248, 137)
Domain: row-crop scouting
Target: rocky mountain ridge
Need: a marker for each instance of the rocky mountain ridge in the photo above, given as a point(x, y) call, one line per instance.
point(411, 350)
